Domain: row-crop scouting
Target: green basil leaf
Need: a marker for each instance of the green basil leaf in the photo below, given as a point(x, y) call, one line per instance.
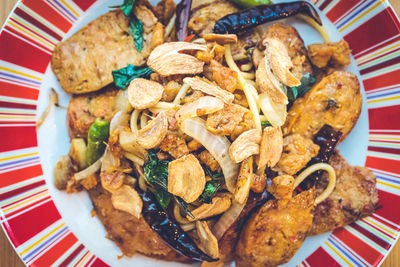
point(127, 6)
point(123, 77)
point(307, 81)
point(163, 197)
point(156, 171)
point(266, 123)
point(136, 30)
point(210, 189)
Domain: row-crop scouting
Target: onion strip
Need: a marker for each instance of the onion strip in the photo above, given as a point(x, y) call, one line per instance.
point(316, 167)
point(170, 26)
point(134, 119)
point(316, 26)
point(246, 67)
point(248, 75)
point(89, 170)
point(247, 88)
point(143, 119)
point(227, 219)
point(165, 105)
point(217, 145)
point(53, 101)
point(181, 93)
point(156, 110)
point(135, 159)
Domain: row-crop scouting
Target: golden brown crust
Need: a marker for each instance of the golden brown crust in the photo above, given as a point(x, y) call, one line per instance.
point(274, 234)
point(203, 18)
point(83, 63)
point(84, 109)
point(129, 233)
point(335, 55)
point(355, 196)
point(335, 100)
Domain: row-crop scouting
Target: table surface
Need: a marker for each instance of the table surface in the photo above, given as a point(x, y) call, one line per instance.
point(8, 257)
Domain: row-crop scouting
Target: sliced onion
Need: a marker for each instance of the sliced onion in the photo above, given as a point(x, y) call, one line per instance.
point(227, 219)
point(275, 113)
point(119, 121)
point(134, 119)
point(89, 170)
point(122, 102)
point(109, 161)
point(53, 101)
point(217, 145)
point(202, 106)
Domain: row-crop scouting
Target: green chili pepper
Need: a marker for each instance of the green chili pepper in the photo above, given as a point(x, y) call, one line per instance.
point(251, 3)
point(97, 136)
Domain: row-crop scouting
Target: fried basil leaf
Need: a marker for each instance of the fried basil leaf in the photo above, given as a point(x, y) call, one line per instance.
point(163, 197)
point(307, 81)
point(123, 77)
point(136, 30)
point(127, 6)
point(210, 189)
point(266, 123)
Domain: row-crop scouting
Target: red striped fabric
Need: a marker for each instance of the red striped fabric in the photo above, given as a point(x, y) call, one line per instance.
point(46, 11)
point(84, 4)
point(31, 222)
point(19, 175)
point(22, 136)
point(360, 39)
point(20, 91)
point(56, 251)
point(320, 257)
point(19, 52)
point(368, 253)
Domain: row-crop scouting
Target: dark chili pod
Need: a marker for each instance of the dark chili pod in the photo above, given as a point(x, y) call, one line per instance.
point(327, 139)
point(182, 19)
point(168, 230)
point(251, 17)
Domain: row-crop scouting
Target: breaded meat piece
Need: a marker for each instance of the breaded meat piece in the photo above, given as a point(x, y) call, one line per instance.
point(333, 55)
point(83, 63)
point(355, 197)
point(297, 51)
point(132, 235)
point(297, 152)
point(206, 13)
point(273, 235)
point(84, 109)
point(335, 100)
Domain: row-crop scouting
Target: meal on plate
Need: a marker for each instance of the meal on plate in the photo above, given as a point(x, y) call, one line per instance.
point(201, 133)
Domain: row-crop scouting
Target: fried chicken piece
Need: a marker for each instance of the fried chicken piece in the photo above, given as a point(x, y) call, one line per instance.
point(206, 158)
point(129, 233)
point(83, 63)
point(223, 76)
point(335, 100)
point(355, 197)
point(175, 145)
point(224, 121)
point(204, 16)
point(273, 235)
point(84, 109)
point(297, 152)
point(334, 55)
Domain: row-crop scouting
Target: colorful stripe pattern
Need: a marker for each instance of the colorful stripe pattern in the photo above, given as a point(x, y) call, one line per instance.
point(373, 32)
point(36, 26)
